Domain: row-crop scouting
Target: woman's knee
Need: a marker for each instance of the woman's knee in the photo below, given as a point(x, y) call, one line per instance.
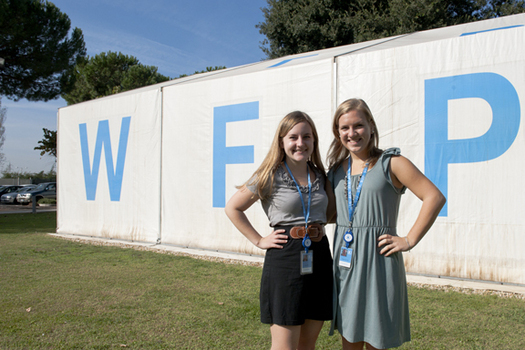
point(285, 337)
point(309, 333)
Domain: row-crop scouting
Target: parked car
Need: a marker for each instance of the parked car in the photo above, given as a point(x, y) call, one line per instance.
point(43, 190)
point(8, 189)
point(10, 198)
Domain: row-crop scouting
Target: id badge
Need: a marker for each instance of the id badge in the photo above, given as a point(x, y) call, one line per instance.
point(345, 258)
point(307, 262)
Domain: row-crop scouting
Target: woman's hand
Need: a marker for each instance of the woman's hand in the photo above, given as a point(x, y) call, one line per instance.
point(393, 244)
point(274, 240)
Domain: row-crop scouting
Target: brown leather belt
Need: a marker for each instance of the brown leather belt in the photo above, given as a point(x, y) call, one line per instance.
point(315, 232)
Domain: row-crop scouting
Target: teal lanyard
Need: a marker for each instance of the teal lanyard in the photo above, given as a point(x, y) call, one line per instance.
point(306, 211)
point(348, 237)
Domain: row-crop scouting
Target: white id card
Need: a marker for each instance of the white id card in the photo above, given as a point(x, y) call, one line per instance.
point(307, 262)
point(345, 258)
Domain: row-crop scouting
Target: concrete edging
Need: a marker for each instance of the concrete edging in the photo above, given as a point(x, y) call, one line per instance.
point(259, 259)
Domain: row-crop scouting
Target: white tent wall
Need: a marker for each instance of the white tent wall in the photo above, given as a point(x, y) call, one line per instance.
point(201, 145)
point(192, 140)
point(479, 234)
point(125, 204)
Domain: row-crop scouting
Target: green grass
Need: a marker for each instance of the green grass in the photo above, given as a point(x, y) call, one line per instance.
point(28, 223)
point(59, 294)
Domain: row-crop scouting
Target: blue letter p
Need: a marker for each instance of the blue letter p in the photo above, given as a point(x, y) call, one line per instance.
point(439, 150)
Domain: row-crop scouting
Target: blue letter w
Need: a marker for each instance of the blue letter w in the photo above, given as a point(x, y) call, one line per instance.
point(104, 140)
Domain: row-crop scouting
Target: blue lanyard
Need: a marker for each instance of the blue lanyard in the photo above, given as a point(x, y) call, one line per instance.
point(348, 237)
point(306, 211)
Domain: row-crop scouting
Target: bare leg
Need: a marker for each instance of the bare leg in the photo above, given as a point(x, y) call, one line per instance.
point(285, 337)
point(352, 346)
point(356, 346)
point(309, 333)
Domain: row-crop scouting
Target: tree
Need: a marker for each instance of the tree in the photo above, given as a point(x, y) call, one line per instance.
point(101, 75)
point(39, 55)
point(49, 143)
point(109, 73)
point(9, 173)
point(500, 8)
point(295, 26)
point(208, 69)
point(3, 112)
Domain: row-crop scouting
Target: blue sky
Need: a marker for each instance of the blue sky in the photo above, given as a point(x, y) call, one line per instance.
point(178, 37)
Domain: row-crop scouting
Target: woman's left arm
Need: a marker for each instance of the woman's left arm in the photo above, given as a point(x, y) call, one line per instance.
point(404, 173)
point(331, 213)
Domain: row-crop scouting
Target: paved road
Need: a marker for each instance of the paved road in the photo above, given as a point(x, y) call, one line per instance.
point(20, 209)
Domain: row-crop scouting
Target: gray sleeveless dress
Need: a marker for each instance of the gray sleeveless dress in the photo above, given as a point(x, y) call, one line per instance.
point(286, 297)
point(370, 297)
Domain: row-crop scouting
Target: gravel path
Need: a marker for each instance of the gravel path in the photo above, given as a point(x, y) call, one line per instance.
point(19, 208)
point(445, 288)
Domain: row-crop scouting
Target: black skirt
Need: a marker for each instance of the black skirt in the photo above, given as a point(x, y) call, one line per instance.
point(288, 298)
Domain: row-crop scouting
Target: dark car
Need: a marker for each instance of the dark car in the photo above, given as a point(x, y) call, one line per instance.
point(10, 198)
point(8, 189)
point(43, 190)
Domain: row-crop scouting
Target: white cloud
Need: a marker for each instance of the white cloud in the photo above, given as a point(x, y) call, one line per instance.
point(170, 60)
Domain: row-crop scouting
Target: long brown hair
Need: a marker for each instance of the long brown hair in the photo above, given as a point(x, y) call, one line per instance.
point(263, 176)
point(337, 152)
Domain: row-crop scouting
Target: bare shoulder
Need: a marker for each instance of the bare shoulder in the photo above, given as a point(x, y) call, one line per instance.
point(399, 162)
point(404, 172)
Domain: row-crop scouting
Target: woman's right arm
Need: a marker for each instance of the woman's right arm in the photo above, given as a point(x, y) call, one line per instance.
point(235, 208)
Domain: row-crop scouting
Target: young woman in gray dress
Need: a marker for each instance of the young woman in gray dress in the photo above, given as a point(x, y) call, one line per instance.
point(371, 303)
point(296, 283)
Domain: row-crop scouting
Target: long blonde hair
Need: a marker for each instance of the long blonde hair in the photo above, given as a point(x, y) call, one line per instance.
point(337, 152)
point(262, 178)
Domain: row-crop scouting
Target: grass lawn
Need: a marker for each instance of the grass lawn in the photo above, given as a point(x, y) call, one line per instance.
point(59, 294)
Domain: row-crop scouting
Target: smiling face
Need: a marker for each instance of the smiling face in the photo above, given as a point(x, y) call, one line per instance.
point(355, 133)
point(298, 143)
